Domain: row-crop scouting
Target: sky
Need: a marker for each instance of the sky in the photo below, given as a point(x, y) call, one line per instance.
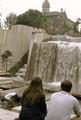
point(72, 7)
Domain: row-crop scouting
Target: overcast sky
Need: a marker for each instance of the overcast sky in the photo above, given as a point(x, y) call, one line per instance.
point(72, 7)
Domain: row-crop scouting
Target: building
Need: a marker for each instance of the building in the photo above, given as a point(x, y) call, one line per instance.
point(58, 21)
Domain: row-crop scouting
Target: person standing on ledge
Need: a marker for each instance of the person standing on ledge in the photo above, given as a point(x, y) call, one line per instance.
point(33, 105)
point(63, 103)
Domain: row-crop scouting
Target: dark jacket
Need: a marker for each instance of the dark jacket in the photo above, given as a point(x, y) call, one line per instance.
point(38, 111)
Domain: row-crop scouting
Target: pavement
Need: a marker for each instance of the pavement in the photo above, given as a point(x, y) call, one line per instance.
point(7, 115)
point(11, 115)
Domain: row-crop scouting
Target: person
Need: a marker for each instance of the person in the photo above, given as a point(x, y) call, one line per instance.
point(9, 96)
point(33, 105)
point(10, 100)
point(63, 103)
point(12, 96)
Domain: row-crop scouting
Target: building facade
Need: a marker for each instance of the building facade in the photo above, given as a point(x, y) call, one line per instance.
point(57, 21)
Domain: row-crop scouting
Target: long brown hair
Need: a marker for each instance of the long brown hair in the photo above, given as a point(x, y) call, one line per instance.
point(34, 90)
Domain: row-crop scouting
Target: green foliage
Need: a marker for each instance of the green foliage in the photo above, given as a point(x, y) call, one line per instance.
point(5, 55)
point(65, 29)
point(10, 20)
point(76, 32)
point(75, 27)
point(32, 18)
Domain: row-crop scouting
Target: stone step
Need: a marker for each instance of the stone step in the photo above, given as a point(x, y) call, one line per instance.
point(25, 66)
point(18, 108)
point(73, 117)
point(19, 91)
point(5, 78)
point(11, 115)
point(6, 82)
point(51, 87)
point(22, 70)
point(20, 74)
point(8, 115)
point(6, 86)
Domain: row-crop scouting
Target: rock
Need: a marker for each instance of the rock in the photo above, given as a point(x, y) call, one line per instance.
point(42, 62)
point(7, 115)
point(55, 61)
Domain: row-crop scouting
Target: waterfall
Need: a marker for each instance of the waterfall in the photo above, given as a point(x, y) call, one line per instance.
point(56, 61)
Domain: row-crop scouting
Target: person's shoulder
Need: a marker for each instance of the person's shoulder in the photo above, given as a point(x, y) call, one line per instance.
point(74, 98)
point(55, 93)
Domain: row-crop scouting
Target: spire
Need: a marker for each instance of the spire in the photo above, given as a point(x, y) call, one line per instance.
point(46, 6)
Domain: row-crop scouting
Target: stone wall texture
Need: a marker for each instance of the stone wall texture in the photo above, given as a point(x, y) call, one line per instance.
point(56, 61)
point(17, 40)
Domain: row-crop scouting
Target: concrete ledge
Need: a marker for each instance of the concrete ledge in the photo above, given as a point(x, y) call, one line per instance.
point(18, 108)
point(8, 115)
point(51, 87)
point(74, 117)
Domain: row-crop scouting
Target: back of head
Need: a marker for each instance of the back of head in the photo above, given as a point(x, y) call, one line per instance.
point(66, 85)
point(36, 83)
point(34, 90)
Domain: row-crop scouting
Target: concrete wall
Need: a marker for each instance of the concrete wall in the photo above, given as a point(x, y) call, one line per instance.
point(55, 61)
point(16, 40)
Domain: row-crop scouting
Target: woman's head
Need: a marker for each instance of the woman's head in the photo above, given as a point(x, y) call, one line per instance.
point(66, 85)
point(34, 91)
point(36, 83)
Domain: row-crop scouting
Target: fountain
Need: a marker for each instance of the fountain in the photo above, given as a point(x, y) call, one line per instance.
point(55, 61)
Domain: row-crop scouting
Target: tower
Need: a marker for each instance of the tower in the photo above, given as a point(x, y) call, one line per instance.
point(46, 7)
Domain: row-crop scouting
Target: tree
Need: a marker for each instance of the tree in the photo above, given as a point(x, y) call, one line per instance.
point(5, 55)
point(32, 18)
point(10, 20)
point(75, 28)
point(65, 29)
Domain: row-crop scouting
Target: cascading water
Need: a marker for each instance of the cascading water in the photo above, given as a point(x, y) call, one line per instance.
point(56, 61)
